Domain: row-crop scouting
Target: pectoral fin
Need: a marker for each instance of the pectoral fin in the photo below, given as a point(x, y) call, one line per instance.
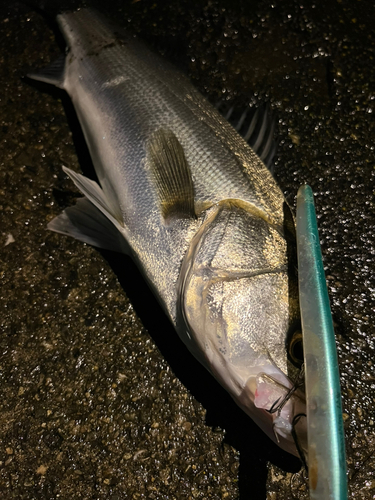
point(172, 175)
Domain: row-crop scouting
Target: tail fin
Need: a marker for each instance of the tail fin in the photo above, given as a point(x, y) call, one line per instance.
point(53, 74)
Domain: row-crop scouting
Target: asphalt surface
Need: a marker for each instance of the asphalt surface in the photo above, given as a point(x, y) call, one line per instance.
point(98, 397)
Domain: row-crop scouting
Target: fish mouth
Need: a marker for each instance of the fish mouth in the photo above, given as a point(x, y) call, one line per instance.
point(278, 407)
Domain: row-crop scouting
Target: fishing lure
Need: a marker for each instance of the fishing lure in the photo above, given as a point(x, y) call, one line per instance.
point(325, 431)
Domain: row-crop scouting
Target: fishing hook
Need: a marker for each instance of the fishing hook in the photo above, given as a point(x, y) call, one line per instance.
point(276, 406)
point(301, 454)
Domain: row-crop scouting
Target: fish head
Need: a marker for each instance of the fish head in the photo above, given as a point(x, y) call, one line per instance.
point(239, 303)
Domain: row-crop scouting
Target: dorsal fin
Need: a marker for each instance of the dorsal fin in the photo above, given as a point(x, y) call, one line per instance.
point(172, 175)
point(255, 125)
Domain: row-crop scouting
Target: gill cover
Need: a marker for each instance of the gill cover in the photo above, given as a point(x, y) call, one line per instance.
point(236, 299)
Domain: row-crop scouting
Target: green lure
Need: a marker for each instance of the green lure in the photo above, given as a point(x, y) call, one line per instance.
point(326, 444)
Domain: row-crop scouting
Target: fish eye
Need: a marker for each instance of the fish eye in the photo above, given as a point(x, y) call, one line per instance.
point(295, 349)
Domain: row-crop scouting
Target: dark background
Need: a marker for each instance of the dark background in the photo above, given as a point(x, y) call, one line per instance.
point(99, 399)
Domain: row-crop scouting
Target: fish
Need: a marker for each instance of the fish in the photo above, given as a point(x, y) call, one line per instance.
point(183, 194)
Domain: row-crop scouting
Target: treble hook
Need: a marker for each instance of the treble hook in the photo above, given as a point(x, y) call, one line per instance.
point(277, 407)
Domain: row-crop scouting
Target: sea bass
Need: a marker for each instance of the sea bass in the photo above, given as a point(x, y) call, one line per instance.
point(185, 196)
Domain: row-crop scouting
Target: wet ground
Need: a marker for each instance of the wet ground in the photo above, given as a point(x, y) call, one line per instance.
point(99, 399)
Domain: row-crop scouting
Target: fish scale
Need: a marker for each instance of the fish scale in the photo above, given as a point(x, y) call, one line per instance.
point(149, 93)
point(223, 272)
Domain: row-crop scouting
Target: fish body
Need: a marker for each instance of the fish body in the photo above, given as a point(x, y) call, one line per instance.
point(183, 194)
